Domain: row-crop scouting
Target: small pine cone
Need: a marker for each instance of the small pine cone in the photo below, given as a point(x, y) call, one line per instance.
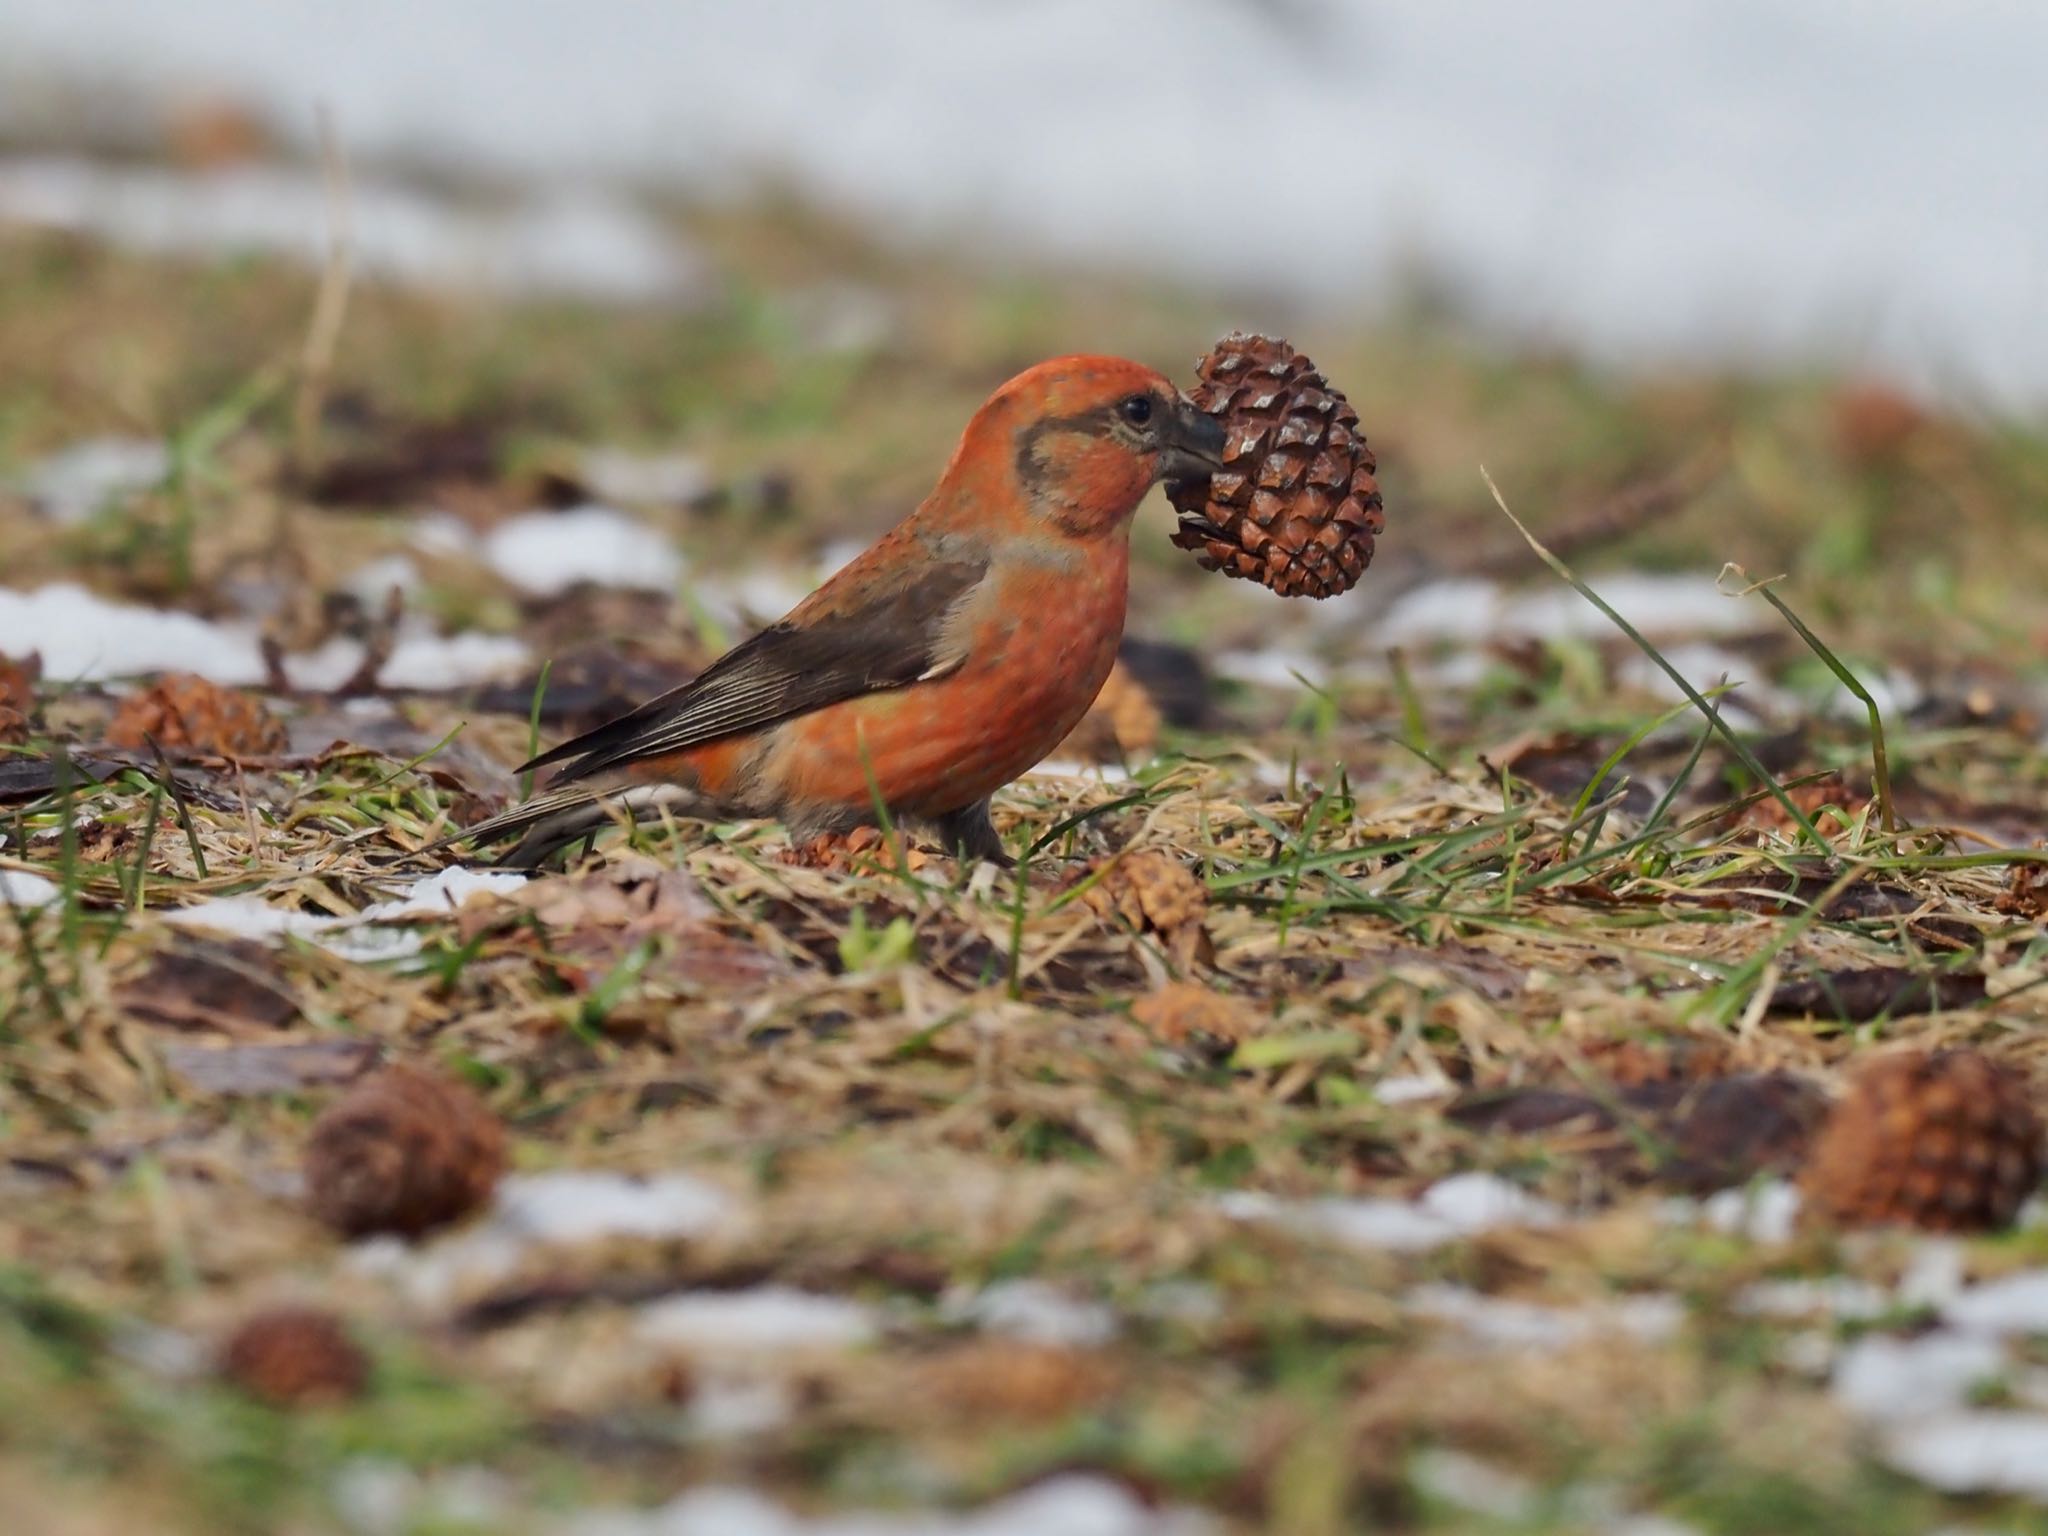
point(1186, 1014)
point(1947, 1140)
point(1153, 892)
point(402, 1151)
point(185, 713)
point(1631, 1062)
point(863, 851)
point(294, 1357)
point(1819, 795)
point(1295, 506)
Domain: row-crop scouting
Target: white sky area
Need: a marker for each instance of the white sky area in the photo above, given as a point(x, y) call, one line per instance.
point(1857, 181)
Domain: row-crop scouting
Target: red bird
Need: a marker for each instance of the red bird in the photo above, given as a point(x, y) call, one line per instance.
point(933, 669)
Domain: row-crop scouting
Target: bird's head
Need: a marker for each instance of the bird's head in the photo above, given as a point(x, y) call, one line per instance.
point(1084, 438)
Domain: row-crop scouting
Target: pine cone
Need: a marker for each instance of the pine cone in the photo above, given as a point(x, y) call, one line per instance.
point(402, 1151)
point(1152, 892)
point(1947, 1140)
point(1295, 506)
point(182, 712)
point(291, 1357)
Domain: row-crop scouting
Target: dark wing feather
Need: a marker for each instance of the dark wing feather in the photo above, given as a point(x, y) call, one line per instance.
point(785, 671)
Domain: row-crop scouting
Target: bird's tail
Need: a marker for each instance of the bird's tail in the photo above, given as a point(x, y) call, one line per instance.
point(551, 822)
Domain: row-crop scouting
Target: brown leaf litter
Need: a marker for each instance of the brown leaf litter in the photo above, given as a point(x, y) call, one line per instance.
point(189, 715)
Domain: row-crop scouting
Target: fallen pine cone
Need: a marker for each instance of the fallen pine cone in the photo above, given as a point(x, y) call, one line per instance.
point(864, 850)
point(295, 1357)
point(1295, 506)
point(402, 1151)
point(1152, 892)
point(1947, 1140)
point(1188, 1014)
point(182, 712)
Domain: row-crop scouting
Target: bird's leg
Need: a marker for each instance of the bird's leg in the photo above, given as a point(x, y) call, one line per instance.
point(969, 831)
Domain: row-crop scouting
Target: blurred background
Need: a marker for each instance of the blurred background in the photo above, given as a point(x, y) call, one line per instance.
point(1698, 283)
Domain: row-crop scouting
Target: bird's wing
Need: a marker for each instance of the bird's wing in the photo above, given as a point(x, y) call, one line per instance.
point(790, 669)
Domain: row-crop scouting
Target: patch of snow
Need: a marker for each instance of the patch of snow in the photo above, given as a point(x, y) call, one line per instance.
point(739, 1407)
point(534, 1212)
point(581, 245)
point(1276, 668)
point(75, 482)
point(571, 1206)
point(1474, 611)
point(1460, 1206)
point(1527, 1325)
point(372, 581)
point(1474, 1202)
point(1071, 1504)
point(1881, 1377)
point(549, 552)
point(1934, 1274)
point(85, 637)
point(1974, 1452)
point(359, 937)
point(764, 1319)
point(1074, 768)
point(166, 1352)
point(836, 555)
point(1480, 1487)
point(1035, 1311)
point(1837, 1296)
point(378, 1497)
point(1411, 1089)
point(440, 893)
point(647, 479)
point(750, 599)
point(2014, 1304)
point(441, 533)
point(1764, 1213)
point(23, 888)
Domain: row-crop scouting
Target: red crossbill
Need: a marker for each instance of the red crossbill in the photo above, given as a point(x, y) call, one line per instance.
point(934, 668)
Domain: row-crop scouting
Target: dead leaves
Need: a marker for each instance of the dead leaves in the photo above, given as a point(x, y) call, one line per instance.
point(189, 715)
point(1013, 1379)
point(629, 909)
point(232, 987)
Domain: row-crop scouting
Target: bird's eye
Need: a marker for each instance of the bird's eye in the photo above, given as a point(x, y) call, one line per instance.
point(1137, 410)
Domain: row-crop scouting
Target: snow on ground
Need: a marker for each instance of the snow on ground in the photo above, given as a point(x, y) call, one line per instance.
point(583, 244)
point(83, 637)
